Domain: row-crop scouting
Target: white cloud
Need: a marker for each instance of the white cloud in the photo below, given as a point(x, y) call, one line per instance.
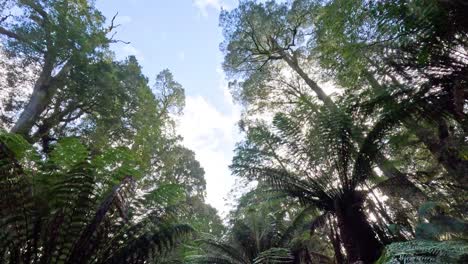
point(124, 50)
point(204, 5)
point(212, 134)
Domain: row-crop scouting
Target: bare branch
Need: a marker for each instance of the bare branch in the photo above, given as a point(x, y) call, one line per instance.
point(119, 41)
point(111, 28)
point(3, 19)
point(11, 34)
point(112, 25)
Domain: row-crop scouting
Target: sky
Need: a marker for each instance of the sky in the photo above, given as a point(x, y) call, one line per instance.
point(183, 36)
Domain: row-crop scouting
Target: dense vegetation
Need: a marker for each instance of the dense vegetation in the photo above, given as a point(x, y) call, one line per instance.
point(355, 138)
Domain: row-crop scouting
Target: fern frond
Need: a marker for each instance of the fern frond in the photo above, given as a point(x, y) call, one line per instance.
point(64, 222)
point(274, 255)
point(425, 251)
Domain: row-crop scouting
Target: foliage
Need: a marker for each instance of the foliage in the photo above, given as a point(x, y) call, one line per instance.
point(262, 233)
point(79, 107)
point(391, 128)
point(440, 238)
point(55, 38)
point(76, 87)
point(354, 116)
point(425, 251)
point(389, 51)
point(66, 220)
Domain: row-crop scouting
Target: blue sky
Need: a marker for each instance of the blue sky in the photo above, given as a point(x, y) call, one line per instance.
point(183, 36)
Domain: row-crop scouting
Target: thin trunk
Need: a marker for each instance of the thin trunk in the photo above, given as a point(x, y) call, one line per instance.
point(336, 242)
point(43, 92)
point(311, 83)
point(358, 238)
point(38, 102)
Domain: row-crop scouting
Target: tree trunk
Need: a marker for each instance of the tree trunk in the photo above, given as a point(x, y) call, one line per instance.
point(441, 144)
point(38, 101)
point(36, 105)
point(311, 83)
point(336, 242)
point(389, 170)
point(44, 89)
point(358, 237)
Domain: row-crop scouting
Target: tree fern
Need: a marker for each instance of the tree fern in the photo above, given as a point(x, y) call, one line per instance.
point(65, 221)
point(261, 234)
point(317, 162)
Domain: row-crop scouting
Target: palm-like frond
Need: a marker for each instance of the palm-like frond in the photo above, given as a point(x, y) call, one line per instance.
point(219, 252)
point(298, 223)
point(425, 251)
point(265, 234)
point(307, 191)
point(274, 255)
point(66, 223)
point(334, 183)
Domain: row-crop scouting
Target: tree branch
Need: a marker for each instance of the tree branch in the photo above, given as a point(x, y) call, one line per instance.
point(11, 34)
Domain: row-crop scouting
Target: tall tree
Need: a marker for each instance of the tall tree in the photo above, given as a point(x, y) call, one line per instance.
point(56, 37)
point(82, 96)
point(265, 45)
point(308, 154)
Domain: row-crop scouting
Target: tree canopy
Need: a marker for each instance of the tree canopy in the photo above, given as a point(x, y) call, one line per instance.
point(354, 141)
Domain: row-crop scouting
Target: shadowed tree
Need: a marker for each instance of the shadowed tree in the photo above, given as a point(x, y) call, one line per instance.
point(264, 46)
point(387, 51)
point(308, 155)
point(277, 54)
